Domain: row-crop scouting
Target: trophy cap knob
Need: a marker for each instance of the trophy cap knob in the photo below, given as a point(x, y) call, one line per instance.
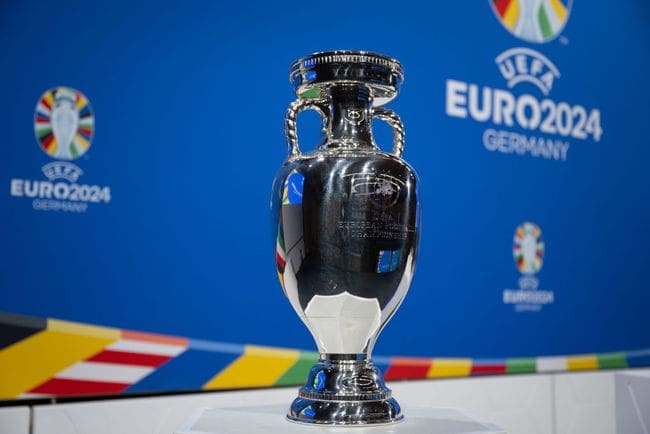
point(382, 74)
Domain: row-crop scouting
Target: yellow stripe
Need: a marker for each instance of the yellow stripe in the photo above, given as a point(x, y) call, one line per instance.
point(49, 99)
point(80, 329)
point(450, 368)
point(53, 146)
point(81, 101)
point(28, 363)
point(579, 363)
point(512, 14)
point(257, 367)
point(559, 9)
point(81, 141)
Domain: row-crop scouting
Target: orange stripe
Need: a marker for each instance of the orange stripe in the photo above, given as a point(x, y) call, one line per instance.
point(151, 337)
point(411, 361)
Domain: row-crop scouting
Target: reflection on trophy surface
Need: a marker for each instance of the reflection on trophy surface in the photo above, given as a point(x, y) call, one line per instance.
point(347, 221)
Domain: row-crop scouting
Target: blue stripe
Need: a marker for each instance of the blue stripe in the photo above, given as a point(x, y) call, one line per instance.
point(189, 371)
point(488, 362)
point(219, 347)
point(382, 363)
point(84, 111)
point(638, 358)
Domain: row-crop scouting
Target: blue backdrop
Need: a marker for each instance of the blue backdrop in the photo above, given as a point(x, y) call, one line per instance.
point(188, 101)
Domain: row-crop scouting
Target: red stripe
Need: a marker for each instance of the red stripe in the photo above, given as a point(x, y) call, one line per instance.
point(48, 141)
point(488, 369)
point(41, 120)
point(125, 358)
point(86, 131)
point(45, 103)
point(501, 6)
point(281, 262)
point(403, 369)
point(63, 387)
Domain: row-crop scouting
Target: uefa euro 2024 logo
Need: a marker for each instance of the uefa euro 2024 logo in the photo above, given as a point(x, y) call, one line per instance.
point(64, 126)
point(528, 253)
point(519, 122)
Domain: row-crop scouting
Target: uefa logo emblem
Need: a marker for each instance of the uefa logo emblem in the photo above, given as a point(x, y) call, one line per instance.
point(383, 189)
point(64, 123)
point(528, 248)
point(533, 20)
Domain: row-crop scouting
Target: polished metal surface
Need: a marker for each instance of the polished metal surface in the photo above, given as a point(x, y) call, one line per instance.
point(347, 218)
point(384, 74)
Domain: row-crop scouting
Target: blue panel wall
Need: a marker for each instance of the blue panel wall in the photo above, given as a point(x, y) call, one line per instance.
point(188, 101)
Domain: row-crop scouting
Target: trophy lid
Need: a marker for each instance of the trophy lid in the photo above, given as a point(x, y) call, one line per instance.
point(382, 74)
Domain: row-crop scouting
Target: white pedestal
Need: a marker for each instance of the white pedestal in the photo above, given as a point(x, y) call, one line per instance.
point(632, 402)
point(271, 419)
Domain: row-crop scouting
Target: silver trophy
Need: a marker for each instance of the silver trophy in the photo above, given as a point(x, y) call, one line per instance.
point(347, 220)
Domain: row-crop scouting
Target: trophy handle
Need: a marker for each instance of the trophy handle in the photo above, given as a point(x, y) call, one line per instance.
point(318, 104)
point(396, 124)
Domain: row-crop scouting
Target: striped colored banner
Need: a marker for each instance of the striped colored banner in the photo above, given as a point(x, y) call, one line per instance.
point(29, 362)
point(40, 357)
point(119, 365)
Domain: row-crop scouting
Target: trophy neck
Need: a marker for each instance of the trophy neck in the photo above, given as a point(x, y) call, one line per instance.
point(350, 123)
point(344, 358)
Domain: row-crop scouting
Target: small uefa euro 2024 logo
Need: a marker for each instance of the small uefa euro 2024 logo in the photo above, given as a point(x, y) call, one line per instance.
point(533, 20)
point(64, 126)
point(528, 253)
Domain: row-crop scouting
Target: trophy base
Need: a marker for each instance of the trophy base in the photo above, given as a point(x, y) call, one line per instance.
point(345, 390)
point(310, 411)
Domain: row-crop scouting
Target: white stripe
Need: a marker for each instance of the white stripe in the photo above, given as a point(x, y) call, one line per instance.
point(33, 395)
point(40, 126)
point(109, 372)
point(133, 346)
point(551, 364)
point(42, 107)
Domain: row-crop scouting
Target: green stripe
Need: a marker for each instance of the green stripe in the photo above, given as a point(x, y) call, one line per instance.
point(611, 360)
point(521, 366)
point(544, 24)
point(281, 239)
point(297, 374)
point(311, 93)
point(73, 149)
point(43, 132)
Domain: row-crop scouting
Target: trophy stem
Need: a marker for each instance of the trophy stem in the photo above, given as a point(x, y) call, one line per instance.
point(351, 117)
point(345, 389)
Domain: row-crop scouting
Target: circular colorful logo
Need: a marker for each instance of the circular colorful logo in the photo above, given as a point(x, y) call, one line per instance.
point(533, 20)
point(528, 248)
point(64, 123)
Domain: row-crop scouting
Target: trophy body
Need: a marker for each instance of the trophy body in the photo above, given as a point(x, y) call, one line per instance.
point(347, 220)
